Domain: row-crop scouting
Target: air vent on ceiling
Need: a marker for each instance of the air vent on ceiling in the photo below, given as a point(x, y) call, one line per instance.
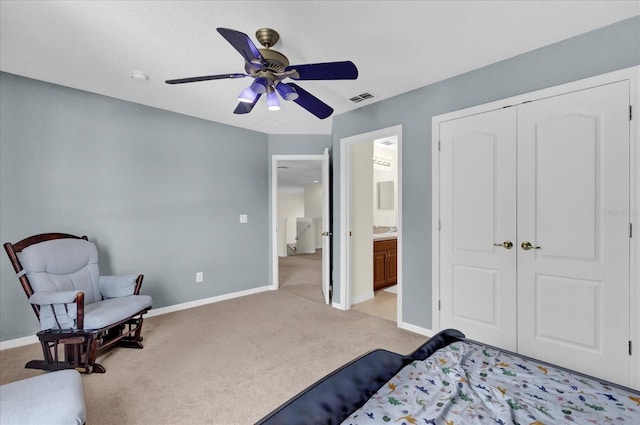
point(361, 97)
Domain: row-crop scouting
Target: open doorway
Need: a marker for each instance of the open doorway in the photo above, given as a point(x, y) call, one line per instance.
point(300, 211)
point(371, 210)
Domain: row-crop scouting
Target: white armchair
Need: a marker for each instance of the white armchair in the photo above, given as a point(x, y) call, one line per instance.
point(76, 306)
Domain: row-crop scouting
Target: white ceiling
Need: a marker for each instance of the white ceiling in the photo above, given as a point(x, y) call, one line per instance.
point(397, 46)
point(293, 175)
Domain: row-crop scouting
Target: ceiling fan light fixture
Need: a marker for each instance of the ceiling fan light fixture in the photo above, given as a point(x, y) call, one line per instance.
point(287, 92)
point(273, 104)
point(259, 85)
point(247, 95)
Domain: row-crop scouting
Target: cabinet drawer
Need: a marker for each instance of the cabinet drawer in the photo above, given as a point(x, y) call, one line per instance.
point(385, 245)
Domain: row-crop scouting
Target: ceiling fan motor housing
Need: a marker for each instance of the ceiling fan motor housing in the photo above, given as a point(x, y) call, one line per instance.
point(274, 62)
point(267, 37)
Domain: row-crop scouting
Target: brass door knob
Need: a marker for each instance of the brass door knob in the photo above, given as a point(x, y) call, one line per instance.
point(505, 244)
point(526, 245)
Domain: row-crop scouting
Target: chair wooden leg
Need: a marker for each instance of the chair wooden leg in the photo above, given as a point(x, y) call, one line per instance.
point(92, 351)
point(134, 341)
point(79, 350)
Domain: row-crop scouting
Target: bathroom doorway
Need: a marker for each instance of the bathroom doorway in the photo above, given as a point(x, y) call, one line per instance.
point(371, 233)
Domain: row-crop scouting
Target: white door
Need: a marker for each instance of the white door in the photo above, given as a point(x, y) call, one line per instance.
point(573, 204)
point(326, 233)
point(478, 221)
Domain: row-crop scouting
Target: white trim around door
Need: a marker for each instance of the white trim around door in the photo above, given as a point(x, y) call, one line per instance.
point(345, 258)
point(274, 216)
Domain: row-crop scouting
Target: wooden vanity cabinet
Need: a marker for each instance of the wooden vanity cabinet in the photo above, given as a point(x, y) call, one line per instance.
point(385, 263)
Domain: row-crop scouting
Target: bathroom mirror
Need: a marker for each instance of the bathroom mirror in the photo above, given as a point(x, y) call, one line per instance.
point(385, 195)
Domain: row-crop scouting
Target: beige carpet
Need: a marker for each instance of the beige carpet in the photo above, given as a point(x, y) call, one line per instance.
point(302, 275)
point(226, 363)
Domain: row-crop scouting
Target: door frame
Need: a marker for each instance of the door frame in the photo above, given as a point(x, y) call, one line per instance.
point(633, 75)
point(275, 267)
point(345, 212)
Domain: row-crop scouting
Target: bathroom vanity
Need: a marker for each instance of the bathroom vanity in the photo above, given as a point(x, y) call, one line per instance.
point(385, 261)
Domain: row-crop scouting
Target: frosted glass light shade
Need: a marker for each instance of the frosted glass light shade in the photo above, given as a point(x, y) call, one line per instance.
point(273, 104)
point(287, 92)
point(259, 85)
point(247, 96)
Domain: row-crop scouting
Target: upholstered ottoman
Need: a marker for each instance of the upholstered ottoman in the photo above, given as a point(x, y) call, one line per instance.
point(55, 398)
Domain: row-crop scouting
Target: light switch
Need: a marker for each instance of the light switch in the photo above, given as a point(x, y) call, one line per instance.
point(243, 218)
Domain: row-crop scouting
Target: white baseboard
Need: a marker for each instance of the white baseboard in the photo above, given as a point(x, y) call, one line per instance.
point(32, 339)
point(363, 297)
point(18, 342)
point(197, 303)
point(339, 306)
point(416, 329)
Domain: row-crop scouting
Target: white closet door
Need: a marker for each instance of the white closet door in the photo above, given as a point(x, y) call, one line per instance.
point(573, 203)
point(478, 210)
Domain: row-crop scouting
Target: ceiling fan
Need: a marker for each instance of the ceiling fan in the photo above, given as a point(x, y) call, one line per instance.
point(269, 68)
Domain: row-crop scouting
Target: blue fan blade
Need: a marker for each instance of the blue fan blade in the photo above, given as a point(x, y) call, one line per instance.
point(243, 44)
point(204, 78)
point(325, 71)
point(245, 108)
point(311, 103)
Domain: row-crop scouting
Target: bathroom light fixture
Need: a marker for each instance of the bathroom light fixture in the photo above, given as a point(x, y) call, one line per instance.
point(273, 104)
point(381, 161)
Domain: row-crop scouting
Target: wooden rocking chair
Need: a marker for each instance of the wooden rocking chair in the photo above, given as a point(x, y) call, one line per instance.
point(76, 307)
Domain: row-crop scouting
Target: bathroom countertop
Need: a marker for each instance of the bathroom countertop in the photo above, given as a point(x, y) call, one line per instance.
point(384, 236)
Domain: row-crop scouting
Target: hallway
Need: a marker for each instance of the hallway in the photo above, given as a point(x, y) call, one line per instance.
point(302, 276)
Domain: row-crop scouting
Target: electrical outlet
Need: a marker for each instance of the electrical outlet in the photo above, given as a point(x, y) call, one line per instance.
point(243, 218)
point(199, 277)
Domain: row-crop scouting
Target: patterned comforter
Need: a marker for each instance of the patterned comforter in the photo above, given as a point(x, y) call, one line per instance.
point(466, 383)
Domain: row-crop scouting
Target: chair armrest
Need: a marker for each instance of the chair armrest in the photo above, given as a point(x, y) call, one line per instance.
point(53, 297)
point(117, 286)
point(139, 283)
point(59, 309)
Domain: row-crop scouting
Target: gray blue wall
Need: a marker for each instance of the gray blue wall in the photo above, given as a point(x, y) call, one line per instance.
point(607, 49)
point(160, 193)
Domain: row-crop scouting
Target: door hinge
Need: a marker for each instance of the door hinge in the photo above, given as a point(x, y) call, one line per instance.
point(629, 347)
point(439, 306)
point(630, 112)
point(438, 145)
point(439, 225)
point(630, 230)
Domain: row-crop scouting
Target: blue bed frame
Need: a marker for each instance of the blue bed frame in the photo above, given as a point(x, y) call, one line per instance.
point(334, 397)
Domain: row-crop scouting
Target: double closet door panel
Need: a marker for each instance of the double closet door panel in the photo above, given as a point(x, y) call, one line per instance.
point(573, 292)
point(546, 173)
point(478, 210)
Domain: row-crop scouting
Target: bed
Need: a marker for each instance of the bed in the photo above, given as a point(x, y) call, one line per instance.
point(451, 380)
